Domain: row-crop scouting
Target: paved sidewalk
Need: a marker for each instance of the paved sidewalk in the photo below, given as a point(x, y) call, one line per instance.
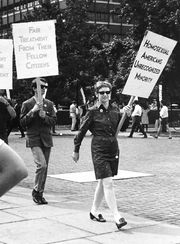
point(24, 222)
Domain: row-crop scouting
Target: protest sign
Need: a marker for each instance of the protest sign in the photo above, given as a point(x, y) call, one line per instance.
point(6, 53)
point(35, 49)
point(149, 63)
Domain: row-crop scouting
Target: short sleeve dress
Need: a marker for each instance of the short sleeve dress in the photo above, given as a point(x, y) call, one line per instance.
point(102, 123)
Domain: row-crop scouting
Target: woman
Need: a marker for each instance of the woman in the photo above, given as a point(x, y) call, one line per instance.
point(102, 120)
point(145, 117)
point(12, 168)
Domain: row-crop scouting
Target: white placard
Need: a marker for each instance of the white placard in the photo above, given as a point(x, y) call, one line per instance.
point(6, 54)
point(35, 49)
point(149, 63)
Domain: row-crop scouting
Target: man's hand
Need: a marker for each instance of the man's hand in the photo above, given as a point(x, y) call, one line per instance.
point(42, 113)
point(35, 108)
point(3, 100)
point(75, 156)
point(127, 109)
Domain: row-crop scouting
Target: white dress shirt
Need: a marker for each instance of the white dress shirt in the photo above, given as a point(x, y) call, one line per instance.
point(164, 112)
point(137, 111)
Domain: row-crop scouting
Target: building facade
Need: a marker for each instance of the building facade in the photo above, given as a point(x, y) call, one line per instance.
point(100, 12)
point(110, 14)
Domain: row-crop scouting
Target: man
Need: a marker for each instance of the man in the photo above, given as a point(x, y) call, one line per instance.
point(163, 119)
point(136, 118)
point(72, 113)
point(39, 117)
point(7, 113)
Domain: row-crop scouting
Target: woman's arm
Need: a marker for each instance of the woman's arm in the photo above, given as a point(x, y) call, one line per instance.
point(82, 132)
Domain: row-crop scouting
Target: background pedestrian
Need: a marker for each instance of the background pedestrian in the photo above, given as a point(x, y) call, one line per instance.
point(136, 120)
point(163, 118)
point(145, 116)
point(73, 115)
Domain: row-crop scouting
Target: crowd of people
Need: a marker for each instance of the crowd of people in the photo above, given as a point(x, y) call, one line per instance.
point(38, 119)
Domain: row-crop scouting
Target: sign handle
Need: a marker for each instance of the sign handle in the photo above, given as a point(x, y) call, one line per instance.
point(38, 83)
point(121, 122)
point(8, 94)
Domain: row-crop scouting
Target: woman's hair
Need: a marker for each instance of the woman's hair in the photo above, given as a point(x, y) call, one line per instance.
point(101, 84)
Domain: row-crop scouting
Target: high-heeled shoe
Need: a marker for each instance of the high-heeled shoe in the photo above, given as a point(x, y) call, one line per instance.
point(99, 218)
point(122, 222)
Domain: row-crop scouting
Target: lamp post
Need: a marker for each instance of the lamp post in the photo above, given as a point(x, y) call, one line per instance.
point(95, 11)
point(121, 15)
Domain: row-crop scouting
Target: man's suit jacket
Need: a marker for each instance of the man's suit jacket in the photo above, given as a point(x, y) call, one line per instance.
point(38, 129)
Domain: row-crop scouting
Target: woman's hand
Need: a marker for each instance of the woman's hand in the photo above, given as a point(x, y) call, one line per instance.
point(75, 156)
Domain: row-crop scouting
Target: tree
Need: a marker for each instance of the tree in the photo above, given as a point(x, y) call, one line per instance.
point(161, 17)
point(75, 39)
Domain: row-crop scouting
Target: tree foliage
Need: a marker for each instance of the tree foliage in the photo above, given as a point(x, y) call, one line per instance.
point(161, 17)
point(83, 54)
point(75, 39)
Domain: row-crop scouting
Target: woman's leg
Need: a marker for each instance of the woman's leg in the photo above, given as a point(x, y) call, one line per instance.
point(110, 197)
point(12, 168)
point(98, 196)
point(169, 131)
point(159, 129)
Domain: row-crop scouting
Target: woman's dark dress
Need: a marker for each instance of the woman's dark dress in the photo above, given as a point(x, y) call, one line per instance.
point(104, 146)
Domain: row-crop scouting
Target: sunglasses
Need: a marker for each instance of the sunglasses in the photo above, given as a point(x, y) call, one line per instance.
point(44, 86)
point(103, 92)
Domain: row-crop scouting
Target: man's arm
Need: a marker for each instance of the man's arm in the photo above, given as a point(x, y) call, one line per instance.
point(48, 117)
point(27, 113)
point(11, 111)
point(9, 108)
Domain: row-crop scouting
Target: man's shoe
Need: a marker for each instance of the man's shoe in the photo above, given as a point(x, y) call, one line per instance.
point(39, 200)
point(38, 197)
point(35, 193)
point(122, 222)
point(145, 136)
point(43, 200)
point(156, 137)
point(170, 137)
point(130, 136)
point(99, 218)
